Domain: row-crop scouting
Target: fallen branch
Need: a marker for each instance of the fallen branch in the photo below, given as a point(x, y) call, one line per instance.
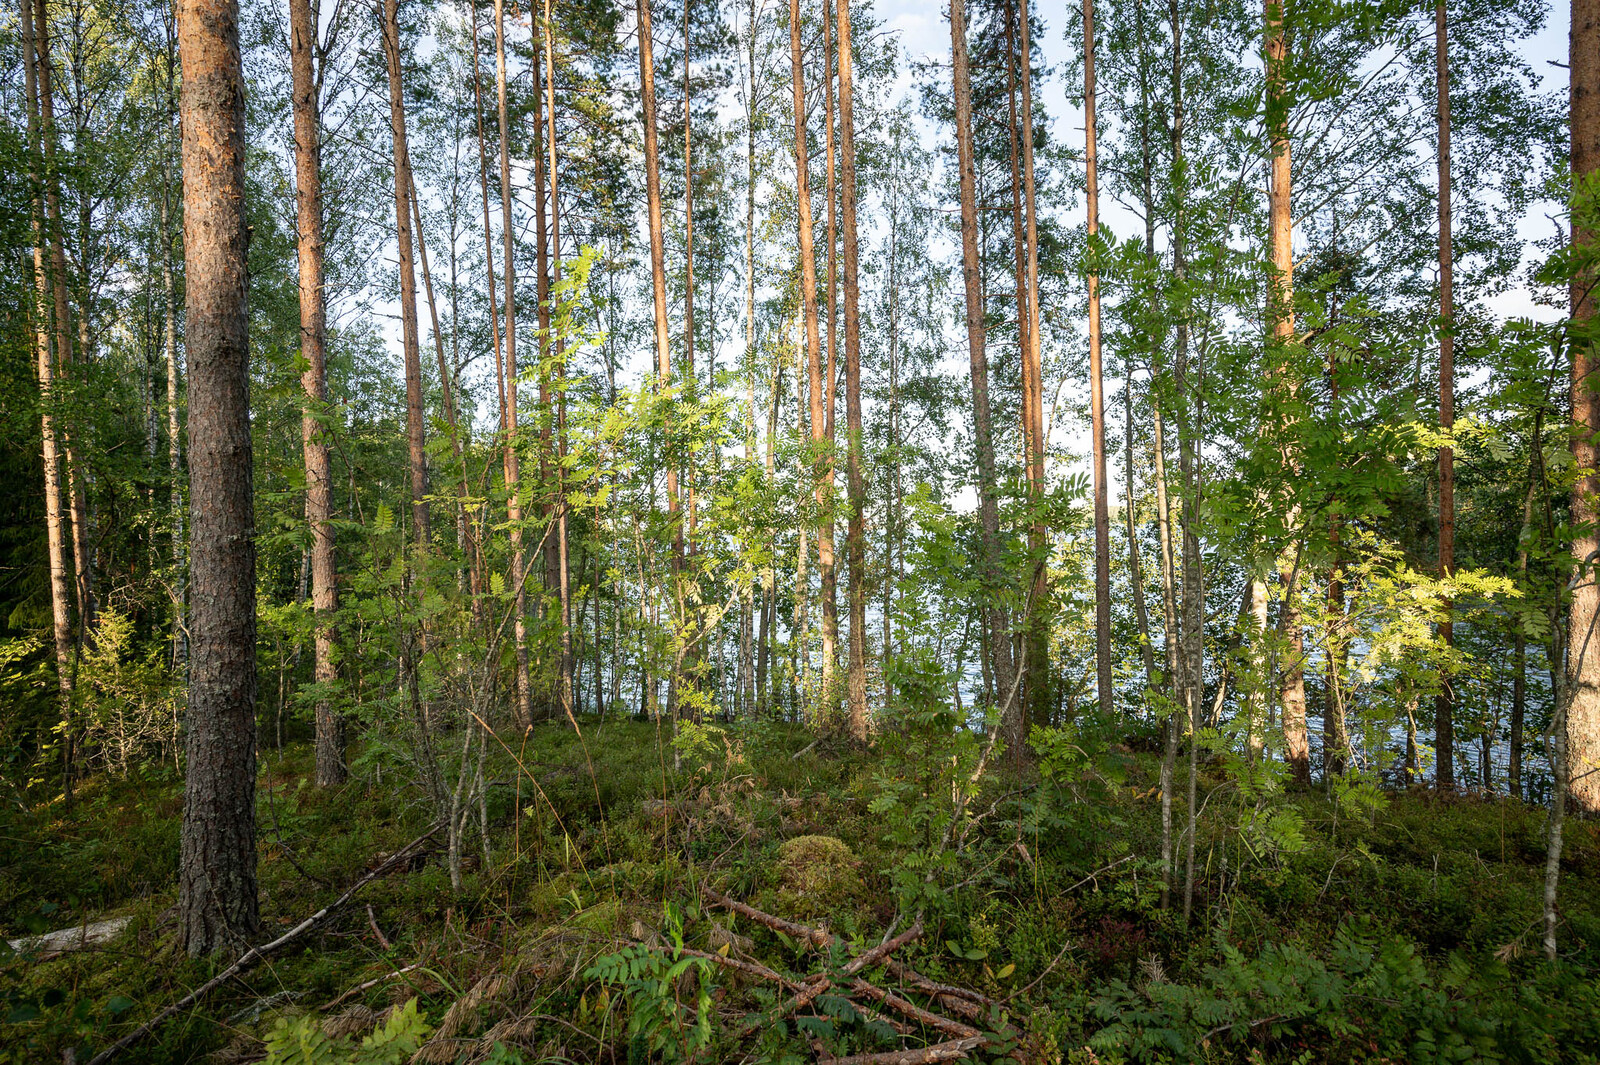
point(255, 954)
point(749, 968)
point(916, 1013)
point(818, 936)
point(968, 1003)
point(800, 1001)
point(883, 950)
point(953, 1050)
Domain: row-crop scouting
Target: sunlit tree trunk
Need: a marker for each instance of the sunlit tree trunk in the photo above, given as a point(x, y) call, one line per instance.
point(1013, 726)
point(55, 533)
point(855, 540)
point(564, 574)
point(417, 455)
point(217, 859)
point(1583, 654)
point(511, 466)
point(82, 550)
point(1291, 684)
point(658, 284)
point(330, 742)
point(808, 296)
point(827, 562)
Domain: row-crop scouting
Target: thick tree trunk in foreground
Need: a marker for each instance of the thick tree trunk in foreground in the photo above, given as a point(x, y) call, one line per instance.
point(1583, 642)
point(827, 557)
point(855, 539)
point(1013, 726)
point(217, 861)
point(314, 381)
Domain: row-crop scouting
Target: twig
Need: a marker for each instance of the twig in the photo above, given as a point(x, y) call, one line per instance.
point(367, 986)
point(953, 1050)
point(372, 922)
point(255, 954)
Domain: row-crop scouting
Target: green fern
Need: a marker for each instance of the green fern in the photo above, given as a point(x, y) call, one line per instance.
point(301, 1041)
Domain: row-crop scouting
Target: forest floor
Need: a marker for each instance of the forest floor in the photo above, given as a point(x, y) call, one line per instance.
point(1401, 927)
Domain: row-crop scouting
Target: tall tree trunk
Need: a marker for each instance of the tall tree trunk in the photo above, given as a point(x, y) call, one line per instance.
point(180, 577)
point(1097, 401)
point(1443, 703)
point(564, 574)
point(658, 286)
point(330, 741)
point(217, 861)
point(1013, 727)
point(827, 563)
point(1041, 698)
point(511, 463)
point(55, 534)
point(1292, 685)
point(808, 296)
point(82, 552)
point(1583, 657)
point(417, 455)
point(856, 539)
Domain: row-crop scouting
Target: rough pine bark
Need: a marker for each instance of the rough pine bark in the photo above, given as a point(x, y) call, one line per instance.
point(1583, 646)
point(217, 856)
point(330, 740)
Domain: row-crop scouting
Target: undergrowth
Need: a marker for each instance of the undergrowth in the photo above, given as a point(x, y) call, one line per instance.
point(1394, 927)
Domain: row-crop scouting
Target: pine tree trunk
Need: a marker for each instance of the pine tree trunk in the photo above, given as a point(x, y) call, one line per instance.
point(658, 287)
point(1292, 686)
point(855, 538)
point(1583, 654)
point(330, 741)
point(813, 340)
point(217, 861)
point(1013, 727)
point(55, 533)
point(511, 466)
point(1443, 705)
point(827, 562)
point(1041, 698)
point(82, 552)
point(417, 455)
point(1105, 686)
point(567, 690)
